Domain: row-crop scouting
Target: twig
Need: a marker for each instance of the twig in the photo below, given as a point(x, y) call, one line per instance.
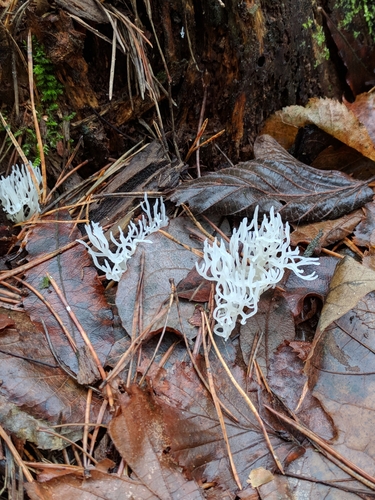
point(36, 123)
point(171, 297)
point(86, 428)
point(196, 252)
point(361, 475)
point(217, 406)
point(245, 396)
point(16, 455)
point(53, 311)
point(75, 445)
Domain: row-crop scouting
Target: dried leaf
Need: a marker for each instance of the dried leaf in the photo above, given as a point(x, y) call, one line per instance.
point(364, 234)
point(260, 476)
point(77, 278)
point(350, 283)
point(138, 433)
point(298, 192)
point(34, 395)
point(331, 116)
point(332, 230)
point(98, 486)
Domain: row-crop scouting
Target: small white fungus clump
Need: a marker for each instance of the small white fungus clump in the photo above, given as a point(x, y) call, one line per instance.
point(19, 195)
point(255, 262)
point(115, 263)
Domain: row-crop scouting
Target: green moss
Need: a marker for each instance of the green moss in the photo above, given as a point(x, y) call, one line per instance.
point(319, 38)
point(49, 89)
point(353, 8)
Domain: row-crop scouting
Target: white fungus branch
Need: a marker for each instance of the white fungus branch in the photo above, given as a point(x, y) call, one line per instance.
point(19, 195)
point(115, 262)
point(256, 261)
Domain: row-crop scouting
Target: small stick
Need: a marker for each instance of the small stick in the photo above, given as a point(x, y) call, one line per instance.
point(36, 123)
point(245, 396)
point(86, 428)
point(98, 425)
point(217, 406)
point(83, 335)
point(35, 262)
point(16, 455)
point(52, 309)
point(196, 252)
point(75, 445)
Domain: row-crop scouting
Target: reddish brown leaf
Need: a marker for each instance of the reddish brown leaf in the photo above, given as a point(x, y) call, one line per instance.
point(287, 366)
point(332, 230)
point(347, 160)
point(298, 192)
point(191, 424)
point(138, 433)
point(77, 278)
point(194, 288)
point(5, 321)
point(98, 486)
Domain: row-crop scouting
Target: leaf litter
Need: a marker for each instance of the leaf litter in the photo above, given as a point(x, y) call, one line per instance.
point(287, 384)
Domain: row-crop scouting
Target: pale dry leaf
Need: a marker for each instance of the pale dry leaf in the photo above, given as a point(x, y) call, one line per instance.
point(329, 115)
point(260, 476)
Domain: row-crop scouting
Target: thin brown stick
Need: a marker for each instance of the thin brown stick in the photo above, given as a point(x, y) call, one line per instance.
point(86, 427)
point(16, 455)
point(198, 136)
point(75, 445)
point(64, 178)
point(245, 396)
point(200, 122)
point(17, 146)
point(196, 252)
point(362, 476)
point(78, 325)
point(215, 400)
point(98, 425)
point(196, 223)
point(4, 275)
point(36, 123)
point(52, 309)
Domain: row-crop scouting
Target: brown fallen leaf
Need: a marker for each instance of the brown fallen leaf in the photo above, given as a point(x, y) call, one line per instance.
point(139, 436)
point(350, 283)
point(78, 279)
point(341, 375)
point(35, 392)
point(98, 486)
point(332, 230)
point(364, 234)
point(274, 179)
point(164, 260)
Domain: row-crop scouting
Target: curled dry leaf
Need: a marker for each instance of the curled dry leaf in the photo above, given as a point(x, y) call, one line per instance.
point(329, 115)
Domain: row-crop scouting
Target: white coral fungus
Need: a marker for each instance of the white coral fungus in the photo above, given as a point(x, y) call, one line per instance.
point(18, 193)
point(255, 262)
point(115, 263)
